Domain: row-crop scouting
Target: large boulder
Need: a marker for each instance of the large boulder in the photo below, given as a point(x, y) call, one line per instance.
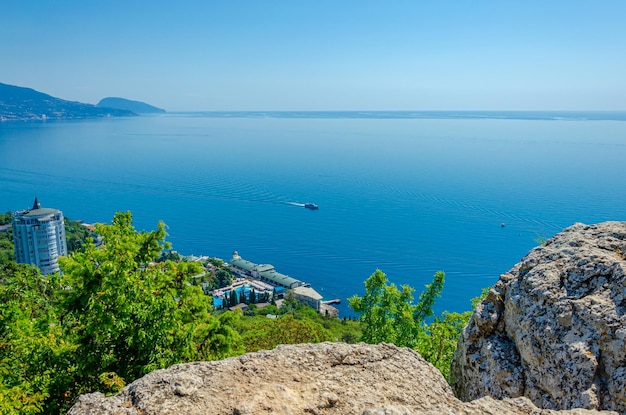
point(553, 328)
point(326, 378)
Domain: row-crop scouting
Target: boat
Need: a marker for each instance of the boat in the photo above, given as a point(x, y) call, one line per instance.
point(311, 206)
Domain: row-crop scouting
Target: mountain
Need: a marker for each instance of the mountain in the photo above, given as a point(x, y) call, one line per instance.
point(126, 104)
point(18, 103)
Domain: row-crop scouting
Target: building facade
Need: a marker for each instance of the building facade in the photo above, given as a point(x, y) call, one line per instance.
point(39, 237)
point(308, 296)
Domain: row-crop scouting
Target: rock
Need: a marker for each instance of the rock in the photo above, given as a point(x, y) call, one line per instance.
point(553, 328)
point(325, 378)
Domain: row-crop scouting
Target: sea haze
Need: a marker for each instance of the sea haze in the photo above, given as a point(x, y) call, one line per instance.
point(410, 193)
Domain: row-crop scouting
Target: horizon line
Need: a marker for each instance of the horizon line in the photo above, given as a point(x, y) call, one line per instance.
point(410, 110)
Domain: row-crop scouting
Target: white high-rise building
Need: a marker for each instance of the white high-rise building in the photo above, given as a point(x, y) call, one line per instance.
point(39, 237)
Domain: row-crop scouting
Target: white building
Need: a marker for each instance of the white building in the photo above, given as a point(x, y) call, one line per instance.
point(308, 296)
point(39, 237)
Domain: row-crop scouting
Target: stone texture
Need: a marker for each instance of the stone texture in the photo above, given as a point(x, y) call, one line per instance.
point(553, 328)
point(326, 378)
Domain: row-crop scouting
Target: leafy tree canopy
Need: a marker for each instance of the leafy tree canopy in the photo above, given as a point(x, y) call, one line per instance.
point(112, 316)
point(123, 304)
point(269, 333)
point(388, 314)
point(76, 234)
point(6, 218)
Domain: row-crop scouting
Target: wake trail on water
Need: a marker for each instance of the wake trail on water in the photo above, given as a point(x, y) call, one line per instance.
point(220, 188)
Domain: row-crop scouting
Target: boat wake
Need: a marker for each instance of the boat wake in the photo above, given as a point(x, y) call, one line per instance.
point(296, 204)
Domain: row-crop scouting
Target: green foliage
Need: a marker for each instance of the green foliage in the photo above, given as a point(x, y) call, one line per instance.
point(112, 316)
point(221, 275)
point(76, 235)
point(233, 300)
point(540, 239)
point(424, 307)
point(7, 252)
point(260, 332)
point(169, 256)
point(266, 333)
point(35, 358)
point(437, 343)
point(111, 382)
point(387, 314)
point(483, 294)
point(6, 218)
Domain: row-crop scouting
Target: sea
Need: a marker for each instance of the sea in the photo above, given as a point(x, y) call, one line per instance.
point(409, 193)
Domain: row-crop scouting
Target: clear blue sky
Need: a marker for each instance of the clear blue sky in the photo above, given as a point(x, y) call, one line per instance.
point(321, 55)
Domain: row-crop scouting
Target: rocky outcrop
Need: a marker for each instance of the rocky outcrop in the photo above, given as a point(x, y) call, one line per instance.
point(553, 328)
point(326, 378)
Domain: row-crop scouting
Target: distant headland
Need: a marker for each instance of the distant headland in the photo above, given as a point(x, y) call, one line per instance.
point(26, 104)
point(137, 107)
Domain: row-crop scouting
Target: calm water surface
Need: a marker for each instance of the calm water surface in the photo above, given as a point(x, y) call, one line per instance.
point(408, 194)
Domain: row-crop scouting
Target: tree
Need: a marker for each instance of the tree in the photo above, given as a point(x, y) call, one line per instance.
point(36, 361)
point(169, 256)
point(269, 333)
point(224, 277)
point(437, 343)
point(387, 314)
point(7, 251)
point(6, 218)
point(424, 307)
point(130, 315)
point(76, 234)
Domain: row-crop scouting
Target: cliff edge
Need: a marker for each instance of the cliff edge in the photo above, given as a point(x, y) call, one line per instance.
point(553, 328)
point(325, 378)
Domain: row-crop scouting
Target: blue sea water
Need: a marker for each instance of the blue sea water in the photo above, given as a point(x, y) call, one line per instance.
point(409, 193)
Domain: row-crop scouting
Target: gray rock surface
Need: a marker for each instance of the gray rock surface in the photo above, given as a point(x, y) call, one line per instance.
point(325, 378)
point(553, 328)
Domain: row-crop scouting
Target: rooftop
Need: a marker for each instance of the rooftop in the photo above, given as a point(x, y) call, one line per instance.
point(308, 292)
point(242, 263)
point(266, 271)
point(278, 278)
point(36, 211)
point(40, 212)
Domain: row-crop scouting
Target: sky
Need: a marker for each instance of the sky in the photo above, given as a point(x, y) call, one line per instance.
point(308, 55)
